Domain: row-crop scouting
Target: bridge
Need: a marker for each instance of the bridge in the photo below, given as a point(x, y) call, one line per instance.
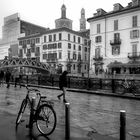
point(24, 62)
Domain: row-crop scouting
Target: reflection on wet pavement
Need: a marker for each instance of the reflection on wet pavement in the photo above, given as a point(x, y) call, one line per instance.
point(87, 111)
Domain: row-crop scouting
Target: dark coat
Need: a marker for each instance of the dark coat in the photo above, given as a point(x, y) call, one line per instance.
point(63, 80)
point(7, 76)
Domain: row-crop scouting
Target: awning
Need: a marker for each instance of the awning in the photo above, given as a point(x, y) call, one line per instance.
point(115, 64)
point(132, 64)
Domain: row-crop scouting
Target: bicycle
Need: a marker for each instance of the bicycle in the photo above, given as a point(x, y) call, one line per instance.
point(128, 87)
point(43, 115)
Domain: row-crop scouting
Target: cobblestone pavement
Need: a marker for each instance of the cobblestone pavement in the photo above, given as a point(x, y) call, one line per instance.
point(87, 111)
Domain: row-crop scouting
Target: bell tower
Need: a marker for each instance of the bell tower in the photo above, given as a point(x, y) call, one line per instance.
point(63, 11)
point(82, 20)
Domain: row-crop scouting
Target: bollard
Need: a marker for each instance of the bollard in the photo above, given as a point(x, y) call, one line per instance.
point(122, 125)
point(32, 112)
point(67, 121)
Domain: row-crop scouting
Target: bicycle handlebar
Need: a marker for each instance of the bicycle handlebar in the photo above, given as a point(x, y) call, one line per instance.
point(33, 89)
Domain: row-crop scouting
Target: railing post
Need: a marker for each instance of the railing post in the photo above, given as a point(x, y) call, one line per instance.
point(67, 121)
point(52, 81)
point(27, 80)
point(38, 79)
point(122, 125)
point(113, 85)
point(101, 84)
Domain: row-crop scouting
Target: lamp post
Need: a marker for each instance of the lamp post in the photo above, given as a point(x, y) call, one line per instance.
point(89, 44)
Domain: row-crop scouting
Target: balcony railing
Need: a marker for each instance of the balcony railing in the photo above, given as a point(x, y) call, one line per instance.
point(134, 55)
point(52, 60)
point(115, 42)
point(98, 58)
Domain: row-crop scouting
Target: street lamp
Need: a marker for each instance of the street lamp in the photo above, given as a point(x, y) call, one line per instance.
point(89, 44)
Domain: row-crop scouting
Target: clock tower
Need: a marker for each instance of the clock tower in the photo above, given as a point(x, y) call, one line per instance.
point(82, 20)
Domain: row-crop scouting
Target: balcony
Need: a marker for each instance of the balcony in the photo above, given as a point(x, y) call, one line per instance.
point(98, 58)
point(52, 60)
point(115, 42)
point(134, 55)
point(37, 54)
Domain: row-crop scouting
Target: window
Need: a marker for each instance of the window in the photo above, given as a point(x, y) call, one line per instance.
point(134, 49)
point(59, 45)
point(73, 66)
point(28, 41)
point(74, 47)
point(79, 48)
point(98, 39)
point(37, 40)
point(116, 50)
point(85, 49)
point(45, 39)
point(79, 56)
point(134, 34)
point(85, 57)
point(45, 56)
point(68, 54)
point(20, 42)
point(85, 67)
point(32, 41)
point(74, 38)
point(74, 56)
point(60, 36)
point(60, 55)
point(134, 21)
point(115, 25)
point(69, 46)
point(85, 42)
point(79, 40)
point(50, 38)
point(98, 28)
point(117, 36)
point(54, 37)
point(97, 52)
point(68, 37)
point(45, 47)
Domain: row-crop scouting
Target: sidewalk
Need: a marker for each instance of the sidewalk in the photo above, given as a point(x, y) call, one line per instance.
point(7, 132)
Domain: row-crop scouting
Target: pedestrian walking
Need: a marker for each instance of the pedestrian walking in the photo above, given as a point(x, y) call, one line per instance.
point(63, 85)
point(16, 77)
point(1, 77)
point(7, 77)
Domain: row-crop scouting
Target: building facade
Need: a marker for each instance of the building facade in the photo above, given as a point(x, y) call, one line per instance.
point(12, 29)
point(62, 47)
point(115, 39)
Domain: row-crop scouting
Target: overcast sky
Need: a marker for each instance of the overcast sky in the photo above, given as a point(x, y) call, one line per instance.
point(44, 12)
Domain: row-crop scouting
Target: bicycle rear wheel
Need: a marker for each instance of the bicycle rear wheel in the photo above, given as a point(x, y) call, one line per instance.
point(21, 111)
point(46, 119)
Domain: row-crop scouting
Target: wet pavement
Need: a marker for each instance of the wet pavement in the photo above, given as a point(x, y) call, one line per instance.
point(92, 117)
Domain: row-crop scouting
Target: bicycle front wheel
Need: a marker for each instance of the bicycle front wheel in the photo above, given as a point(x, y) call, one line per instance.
point(21, 111)
point(46, 119)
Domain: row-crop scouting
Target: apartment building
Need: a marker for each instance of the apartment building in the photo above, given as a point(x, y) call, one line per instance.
point(62, 47)
point(115, 39)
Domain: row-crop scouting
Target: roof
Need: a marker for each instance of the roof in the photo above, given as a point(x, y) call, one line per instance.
point(82, 34)
point(124, 10)
point(34, 24)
